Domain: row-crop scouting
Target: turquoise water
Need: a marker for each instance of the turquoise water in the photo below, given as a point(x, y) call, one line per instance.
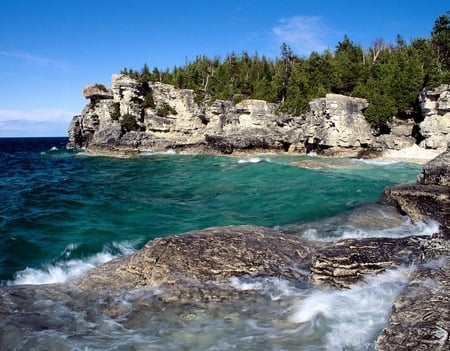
point(63, 212)
point(58, 206)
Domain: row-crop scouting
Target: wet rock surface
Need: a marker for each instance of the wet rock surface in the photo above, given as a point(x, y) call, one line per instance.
point(210, 256)
point(420, 317)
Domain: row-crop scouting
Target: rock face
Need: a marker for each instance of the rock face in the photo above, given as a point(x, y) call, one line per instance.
point(337, 121)
point(435, 128)
point(170, 118)
point(156, 116)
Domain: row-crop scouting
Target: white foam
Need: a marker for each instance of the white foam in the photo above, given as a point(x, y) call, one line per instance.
point(64, 270)
point(273, 287)
point(379, 162)
point(154, 153)
point(351, 319)
point(407, 228)
point(250, 160)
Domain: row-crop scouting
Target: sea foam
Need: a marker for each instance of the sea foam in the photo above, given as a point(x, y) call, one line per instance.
point(407, 228)
point(64, 270)
point(347, 318)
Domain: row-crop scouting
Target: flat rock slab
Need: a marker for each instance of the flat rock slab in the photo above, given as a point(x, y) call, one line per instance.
point(211, 255)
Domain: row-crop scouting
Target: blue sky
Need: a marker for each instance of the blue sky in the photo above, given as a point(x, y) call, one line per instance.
point(50, 49)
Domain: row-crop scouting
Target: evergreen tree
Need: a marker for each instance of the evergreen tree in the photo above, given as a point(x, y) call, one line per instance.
point(440, 38)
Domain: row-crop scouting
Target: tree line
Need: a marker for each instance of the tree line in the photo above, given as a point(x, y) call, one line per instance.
point(389, 75)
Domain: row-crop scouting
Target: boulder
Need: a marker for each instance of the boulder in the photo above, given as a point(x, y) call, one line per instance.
point(97, 92)
point(212, 255)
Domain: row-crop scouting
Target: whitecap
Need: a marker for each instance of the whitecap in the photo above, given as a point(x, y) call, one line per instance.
point(351, 318)
point(250, 160)
point(66, 269)
point(407, 228)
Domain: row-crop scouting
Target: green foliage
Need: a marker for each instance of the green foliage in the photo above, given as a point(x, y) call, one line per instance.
point(440, 39)
point(165, 110)
point(115, 113)
point(129, 122)
point(389, 76)
point(148, 100)
point(101, 87)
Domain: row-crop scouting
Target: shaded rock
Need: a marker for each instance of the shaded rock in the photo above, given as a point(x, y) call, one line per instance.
point(437, 171)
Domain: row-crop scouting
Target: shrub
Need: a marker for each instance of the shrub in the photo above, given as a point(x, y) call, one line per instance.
point(115, 113)
point(165, 109)
point(129, 122)
point(148, 101)
point(100, 87)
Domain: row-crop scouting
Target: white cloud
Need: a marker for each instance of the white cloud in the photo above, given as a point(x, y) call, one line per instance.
point(36, 115)
point(39, 122)
point(302, 33)
point(36, 59)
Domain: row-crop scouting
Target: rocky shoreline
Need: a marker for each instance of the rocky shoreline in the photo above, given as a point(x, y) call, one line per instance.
point(133, 117)
point(196, 266)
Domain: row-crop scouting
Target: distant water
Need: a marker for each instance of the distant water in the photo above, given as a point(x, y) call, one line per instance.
point(63, 212)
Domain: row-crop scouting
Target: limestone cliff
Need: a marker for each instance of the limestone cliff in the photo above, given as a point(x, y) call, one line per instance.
point(435, 127)
point(153, 116)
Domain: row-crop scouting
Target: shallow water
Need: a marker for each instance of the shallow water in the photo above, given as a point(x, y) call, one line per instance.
point(62, 213)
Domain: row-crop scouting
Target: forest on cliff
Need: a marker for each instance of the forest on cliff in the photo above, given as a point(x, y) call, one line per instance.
point(389, 75)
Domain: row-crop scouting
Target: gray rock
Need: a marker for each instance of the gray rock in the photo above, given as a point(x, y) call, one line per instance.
point(213, 255)
point(429, 198)
point(435, 107)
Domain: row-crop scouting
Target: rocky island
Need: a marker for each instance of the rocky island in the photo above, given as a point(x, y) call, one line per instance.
point(131, 117)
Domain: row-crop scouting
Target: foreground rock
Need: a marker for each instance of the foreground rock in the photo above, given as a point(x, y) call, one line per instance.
point(420, 318)
point(204, 258)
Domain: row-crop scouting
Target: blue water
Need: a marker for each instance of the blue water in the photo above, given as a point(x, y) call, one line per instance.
point(63, 212)
point(58, 205)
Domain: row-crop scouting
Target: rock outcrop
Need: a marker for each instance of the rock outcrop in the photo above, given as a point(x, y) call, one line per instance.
point(435, 127)
point(135, 116)
point(337, 121)
point(202, 260)
point(429, 198)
